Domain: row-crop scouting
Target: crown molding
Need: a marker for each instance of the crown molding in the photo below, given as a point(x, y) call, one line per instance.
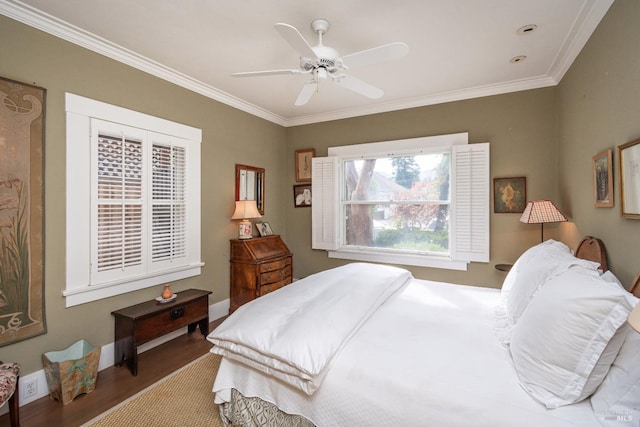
point(593, 12)
point(63, 30)
point(439, 98)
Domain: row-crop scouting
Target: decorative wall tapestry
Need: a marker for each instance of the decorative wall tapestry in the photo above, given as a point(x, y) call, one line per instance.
point(22, 312)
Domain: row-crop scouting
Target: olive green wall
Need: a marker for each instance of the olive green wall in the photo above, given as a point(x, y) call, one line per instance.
point(599, 109)
point(229, 137)
point(548, 135)
point(521, 128)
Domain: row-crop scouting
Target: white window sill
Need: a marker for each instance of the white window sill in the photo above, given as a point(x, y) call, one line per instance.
point(402, 259)
point(84, 294)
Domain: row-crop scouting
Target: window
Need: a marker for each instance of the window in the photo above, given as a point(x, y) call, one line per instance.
point(423, 201)
point(133, 209)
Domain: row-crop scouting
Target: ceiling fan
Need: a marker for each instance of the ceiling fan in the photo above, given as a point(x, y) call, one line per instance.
point(322, 61)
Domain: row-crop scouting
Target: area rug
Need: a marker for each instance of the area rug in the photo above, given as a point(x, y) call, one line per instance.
point(183, 398)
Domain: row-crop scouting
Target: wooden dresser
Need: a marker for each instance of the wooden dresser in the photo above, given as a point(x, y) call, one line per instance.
point(258, 266)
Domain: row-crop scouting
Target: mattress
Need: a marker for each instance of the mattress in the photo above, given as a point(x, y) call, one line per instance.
point(427, 356)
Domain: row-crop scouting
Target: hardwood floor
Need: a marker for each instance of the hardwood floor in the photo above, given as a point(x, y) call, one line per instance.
point(116, 384)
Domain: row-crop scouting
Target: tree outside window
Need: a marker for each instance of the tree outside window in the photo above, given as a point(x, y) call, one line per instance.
point(399, 202)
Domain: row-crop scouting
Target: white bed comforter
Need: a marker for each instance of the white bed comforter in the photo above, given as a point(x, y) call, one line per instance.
point(426, 357)
point(295, 333)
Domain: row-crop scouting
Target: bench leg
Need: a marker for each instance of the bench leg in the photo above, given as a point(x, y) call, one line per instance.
point(204, 326)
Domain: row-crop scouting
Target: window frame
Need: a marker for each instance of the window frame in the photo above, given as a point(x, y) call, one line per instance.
point(80, 111)
point(328, 222)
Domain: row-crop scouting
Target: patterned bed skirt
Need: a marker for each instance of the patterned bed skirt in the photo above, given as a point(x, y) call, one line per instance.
point(255, 412)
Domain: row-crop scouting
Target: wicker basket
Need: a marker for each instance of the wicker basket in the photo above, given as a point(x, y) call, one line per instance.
point(72, 371)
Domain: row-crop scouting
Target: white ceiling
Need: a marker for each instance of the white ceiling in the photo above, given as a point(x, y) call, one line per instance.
point(458, 49)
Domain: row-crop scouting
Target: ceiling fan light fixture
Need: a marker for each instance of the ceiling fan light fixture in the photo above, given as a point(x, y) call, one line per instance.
point(323, 61)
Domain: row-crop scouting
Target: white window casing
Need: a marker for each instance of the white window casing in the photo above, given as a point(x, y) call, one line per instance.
point(469, 209)
point(140, 175)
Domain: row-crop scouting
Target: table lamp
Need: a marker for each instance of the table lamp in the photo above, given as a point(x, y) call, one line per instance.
point(245, 209)
point(541, 212)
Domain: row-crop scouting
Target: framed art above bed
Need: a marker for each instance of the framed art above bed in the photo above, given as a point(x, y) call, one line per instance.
point(629, 170)
point(602, 180)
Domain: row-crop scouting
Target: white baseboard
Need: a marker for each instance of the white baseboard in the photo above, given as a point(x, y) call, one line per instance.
point(216, 311)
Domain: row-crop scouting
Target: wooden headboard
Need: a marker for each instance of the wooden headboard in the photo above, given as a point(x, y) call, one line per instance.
point(592, 249)
point(635, 286)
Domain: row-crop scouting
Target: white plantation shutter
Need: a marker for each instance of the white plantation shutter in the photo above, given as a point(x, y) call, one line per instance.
point(324, 196)
point(140, 210)
point(470, 202)
point(169, 214)
point(118, 202)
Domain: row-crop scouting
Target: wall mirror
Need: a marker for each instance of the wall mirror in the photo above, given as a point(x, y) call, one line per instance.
point(250, 185)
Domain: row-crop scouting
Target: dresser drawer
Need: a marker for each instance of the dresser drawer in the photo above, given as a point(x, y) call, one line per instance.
point(175, 317)
point(275, 276)
point(274, 265)
point(273, 286)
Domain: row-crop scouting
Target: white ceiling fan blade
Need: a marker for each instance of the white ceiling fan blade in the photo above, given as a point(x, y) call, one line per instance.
point(306, 93)
point(358, 86)
point(295, 39)
point(266, 73)
point(376, 55)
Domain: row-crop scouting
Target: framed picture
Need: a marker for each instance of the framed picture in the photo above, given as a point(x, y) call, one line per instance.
point(264, 229)
point(602, 180)
point(509, 194)
point(629, 170)
point(302, 195)
point(303, 164)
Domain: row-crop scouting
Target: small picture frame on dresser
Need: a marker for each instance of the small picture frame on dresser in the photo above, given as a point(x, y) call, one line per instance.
point(264, 229)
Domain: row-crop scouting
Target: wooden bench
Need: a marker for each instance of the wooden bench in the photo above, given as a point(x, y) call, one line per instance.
point(140, 323)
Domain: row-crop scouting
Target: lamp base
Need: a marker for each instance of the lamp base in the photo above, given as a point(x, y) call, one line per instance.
point(245, 229)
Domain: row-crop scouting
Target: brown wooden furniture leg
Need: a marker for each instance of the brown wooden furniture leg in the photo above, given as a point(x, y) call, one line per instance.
point(14, 407)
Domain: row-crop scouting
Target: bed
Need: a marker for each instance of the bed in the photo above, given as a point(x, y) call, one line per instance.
point(366, 345)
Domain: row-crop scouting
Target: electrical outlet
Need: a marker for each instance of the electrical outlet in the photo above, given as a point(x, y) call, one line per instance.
point(30, 388)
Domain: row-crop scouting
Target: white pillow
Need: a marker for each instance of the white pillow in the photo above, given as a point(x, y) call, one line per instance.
point(617, 401)
point(610, 277)
point(534, 267)
point(565, 341)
